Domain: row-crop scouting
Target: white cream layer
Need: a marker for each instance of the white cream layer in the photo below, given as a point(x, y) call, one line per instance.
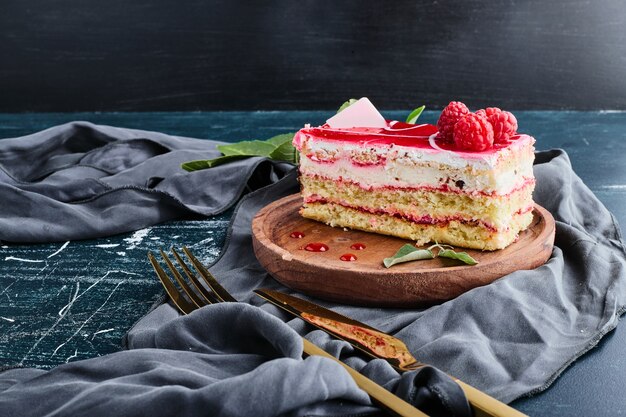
point(376, 166)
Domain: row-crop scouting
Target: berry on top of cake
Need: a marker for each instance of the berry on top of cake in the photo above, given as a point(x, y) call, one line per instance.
point(466, 182)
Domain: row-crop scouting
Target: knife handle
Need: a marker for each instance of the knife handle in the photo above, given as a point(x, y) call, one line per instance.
point(486, 406)
point(377, 393)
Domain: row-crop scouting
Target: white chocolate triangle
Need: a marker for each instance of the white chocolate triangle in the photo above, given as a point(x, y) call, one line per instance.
point(360, 114)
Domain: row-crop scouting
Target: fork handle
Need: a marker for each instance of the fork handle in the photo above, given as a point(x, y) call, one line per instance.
point(377, 393)
point(485, 405)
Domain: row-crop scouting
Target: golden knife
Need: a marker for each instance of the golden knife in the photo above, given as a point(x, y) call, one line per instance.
point(377, 344)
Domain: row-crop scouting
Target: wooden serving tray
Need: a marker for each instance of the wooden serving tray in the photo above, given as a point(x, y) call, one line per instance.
point(366, 281)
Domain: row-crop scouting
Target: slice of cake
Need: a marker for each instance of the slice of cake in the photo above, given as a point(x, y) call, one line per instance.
point(411, 181)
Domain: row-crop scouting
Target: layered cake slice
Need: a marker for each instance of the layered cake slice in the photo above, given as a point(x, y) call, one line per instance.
point(422, 182)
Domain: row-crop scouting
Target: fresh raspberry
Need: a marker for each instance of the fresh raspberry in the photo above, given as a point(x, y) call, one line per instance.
point(473, 132)
point(504, 123)
point(449, 116)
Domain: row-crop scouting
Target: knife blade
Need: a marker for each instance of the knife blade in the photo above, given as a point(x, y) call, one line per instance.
point(376, 344)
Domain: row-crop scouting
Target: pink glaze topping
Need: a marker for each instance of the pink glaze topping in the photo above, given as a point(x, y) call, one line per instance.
point(396, 133)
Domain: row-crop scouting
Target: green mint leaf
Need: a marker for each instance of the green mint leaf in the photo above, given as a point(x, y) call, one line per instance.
point(347, 104)
point(408, 253)
point(210, 163)
point(285, 152)
point(195, 165)
point(247, 148)
point(415, 114)
point(461, 256)
point(281, 139)
point(278, 147)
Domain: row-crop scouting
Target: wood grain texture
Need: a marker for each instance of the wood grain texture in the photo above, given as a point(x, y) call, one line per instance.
point(366, 281)
point(72, 55)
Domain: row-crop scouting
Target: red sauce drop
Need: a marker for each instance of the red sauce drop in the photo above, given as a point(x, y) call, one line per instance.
point(297, 235)
point(316, 247)
point(358, 246)
point(348, 257)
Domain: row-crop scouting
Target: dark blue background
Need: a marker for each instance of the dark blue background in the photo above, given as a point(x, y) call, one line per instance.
point(119, 55)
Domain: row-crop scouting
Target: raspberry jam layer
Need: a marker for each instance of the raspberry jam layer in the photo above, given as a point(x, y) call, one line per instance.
point(425, 220)
point(448, 186)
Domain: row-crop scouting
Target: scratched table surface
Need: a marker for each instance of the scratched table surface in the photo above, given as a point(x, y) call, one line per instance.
point(74, 300)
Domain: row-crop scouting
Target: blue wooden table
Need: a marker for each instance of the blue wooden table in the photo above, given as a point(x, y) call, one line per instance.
point(74, 300)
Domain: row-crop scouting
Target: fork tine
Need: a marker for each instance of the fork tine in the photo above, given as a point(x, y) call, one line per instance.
point(190, 293)
point(217, 288)
point(210, 298)
point(179, 301)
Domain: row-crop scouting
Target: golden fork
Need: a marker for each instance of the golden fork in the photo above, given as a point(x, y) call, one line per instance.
point(196, 295)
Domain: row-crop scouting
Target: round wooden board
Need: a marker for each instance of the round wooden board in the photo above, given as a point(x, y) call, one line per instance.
point(366, 281)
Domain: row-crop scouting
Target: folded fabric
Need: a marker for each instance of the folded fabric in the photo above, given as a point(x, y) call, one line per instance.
point(228, 359)
point(81, 181)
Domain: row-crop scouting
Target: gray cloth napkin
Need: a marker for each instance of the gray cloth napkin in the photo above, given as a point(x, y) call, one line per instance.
point(81, 181)
point(228, 359)
point(212, 362)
